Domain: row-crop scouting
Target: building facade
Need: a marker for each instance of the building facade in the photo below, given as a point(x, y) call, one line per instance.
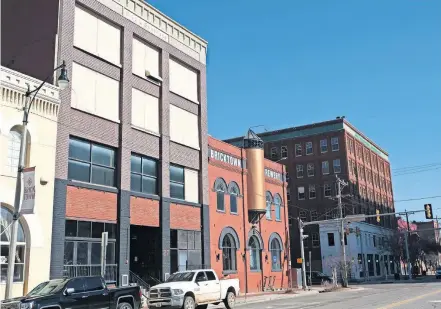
point(132, 134)
point(32, 248)
point(314, 155)
point(248, 242)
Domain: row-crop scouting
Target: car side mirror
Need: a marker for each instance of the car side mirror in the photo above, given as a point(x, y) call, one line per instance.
point(69, 291)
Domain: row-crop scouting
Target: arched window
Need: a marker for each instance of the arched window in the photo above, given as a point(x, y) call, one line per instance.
point(14, 141)
point(229, 248)
point(254, 246)
point(276, 252)
point(278, 207)
point(233, 190)
point(5, 224)
point(220, 187)
point(269, 201)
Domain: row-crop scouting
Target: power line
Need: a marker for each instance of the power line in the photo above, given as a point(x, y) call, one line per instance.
point(419, 198)
point(411, 172)
point(400, 169)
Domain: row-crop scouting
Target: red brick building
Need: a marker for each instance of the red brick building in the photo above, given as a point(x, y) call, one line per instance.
point(247, 241)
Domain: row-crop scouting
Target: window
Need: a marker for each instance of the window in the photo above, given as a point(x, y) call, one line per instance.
point(233, 189)
point(312, 194)
point(278, 207)
point(185, 250)
point(91, 163)
point(301, 193)
point(310, 168)
point(337, 166)
point(309, 150)
point(324, 145)
point(303, 216)
point(351, 145)
point(269, 201)
point(229, 248)
point(177, 182)
point(78, 285)
point(5, 222)
point(183, 80)
point(327, 189)
point(288, 194)
point(299, 171)
point(144, 175)
point(184, 127)
point(253, 244)
point(94, 284)
point(276, 254)
point(284, 151)
point(220, 187)
point(325, 167)
point(315, 240)
point(298, 150)
point(210, 276)
point(144, 58)
point(145, 111)
point(334, 144)
point(314, 215)
point(274, 153)
point(331, 241)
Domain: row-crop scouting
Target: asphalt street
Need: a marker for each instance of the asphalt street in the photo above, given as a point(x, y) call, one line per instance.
point(425, 295)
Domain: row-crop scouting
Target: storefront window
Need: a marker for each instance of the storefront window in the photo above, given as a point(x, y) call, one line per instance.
point(185, 250)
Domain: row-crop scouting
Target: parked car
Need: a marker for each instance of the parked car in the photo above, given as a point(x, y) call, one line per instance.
point(191, 289)
point(317, 277)
point(77, 293)
point(438, 272)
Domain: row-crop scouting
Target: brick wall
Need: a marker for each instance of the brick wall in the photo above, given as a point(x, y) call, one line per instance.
point(185, 217)
point(144, 211)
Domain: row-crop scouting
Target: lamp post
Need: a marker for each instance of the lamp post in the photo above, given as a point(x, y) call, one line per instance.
point(63, 82)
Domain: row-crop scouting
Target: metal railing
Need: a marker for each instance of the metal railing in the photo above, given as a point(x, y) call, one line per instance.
point(72, 271)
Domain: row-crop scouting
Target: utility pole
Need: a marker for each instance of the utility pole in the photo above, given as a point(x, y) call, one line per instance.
point(342, 230)
point(302, 254)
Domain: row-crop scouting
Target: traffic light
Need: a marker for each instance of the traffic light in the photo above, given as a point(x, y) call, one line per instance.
point(378, 215)
point(428, 209)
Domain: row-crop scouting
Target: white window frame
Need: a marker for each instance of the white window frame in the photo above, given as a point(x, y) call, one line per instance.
point(335, 141)
point(316, 240)
point(334, 165)
point(324, 164)
point(325, 187)
point(298, 147)
point(323, 145)
point(310, 169)
point(309, 146)
point(299, 171)
point(303, 215)
point(274, 153)
point(314, 215)
point(284, 151)
point(311, 189)
point(299, 191)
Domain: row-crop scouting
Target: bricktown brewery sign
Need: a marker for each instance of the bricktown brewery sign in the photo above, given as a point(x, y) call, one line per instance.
point(272, 174)
point(220, 156)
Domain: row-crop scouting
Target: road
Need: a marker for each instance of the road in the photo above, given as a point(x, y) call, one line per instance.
point(425, 295)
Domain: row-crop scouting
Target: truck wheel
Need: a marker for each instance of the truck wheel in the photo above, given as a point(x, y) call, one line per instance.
point(124, 306)
point(230, 300)
point(188, 303)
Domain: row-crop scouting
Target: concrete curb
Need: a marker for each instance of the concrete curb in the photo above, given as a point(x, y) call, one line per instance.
point(265, 298)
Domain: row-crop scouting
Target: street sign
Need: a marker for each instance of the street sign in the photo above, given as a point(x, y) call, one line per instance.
point(28, 202)
point(299, 260)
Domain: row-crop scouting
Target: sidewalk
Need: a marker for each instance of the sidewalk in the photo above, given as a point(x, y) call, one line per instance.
point(268, 296)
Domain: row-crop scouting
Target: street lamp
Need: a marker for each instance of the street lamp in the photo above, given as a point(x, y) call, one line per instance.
point(63, 82)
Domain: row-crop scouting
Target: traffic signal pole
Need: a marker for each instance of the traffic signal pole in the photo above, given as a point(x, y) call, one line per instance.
point(302, 255)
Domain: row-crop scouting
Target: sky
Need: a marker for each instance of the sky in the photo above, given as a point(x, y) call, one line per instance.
point(285, 63)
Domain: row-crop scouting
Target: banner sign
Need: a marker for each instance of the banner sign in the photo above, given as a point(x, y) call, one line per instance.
point(28, 202)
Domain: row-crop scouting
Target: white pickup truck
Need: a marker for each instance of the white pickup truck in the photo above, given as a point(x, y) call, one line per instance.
point(194, 289)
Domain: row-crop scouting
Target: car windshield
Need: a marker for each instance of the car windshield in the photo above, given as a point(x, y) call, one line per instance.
point(187, 276)
point(48, 287)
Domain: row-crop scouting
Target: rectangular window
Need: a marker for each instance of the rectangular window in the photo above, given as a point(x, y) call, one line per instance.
point(324, 145)
point(183, 80)
point(144, 174)
point(303, 216)
point(299, 171)
point(301, 193)
point(95, 35)
point(331, 241)
point(310, 168)
point(312, 194)
point(337, 166)
point(315, 240)
point(309, 150)
point(325, 167)
point(177, 182)
point(145, 111)
point(94, 92)
point(91, 163)
point(274, 153)
point(314, 215)
point(298, 150)
point(284, 151)
point(145, 59)
point(334, 144)
point(327, 190)
point(184, 127)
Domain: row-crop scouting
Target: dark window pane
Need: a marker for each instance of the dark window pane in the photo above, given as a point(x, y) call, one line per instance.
point(149, 185)
point(135, 164)
point(190, 240)
point(111, 229)
point(210, 275)
point(68, 252)
point(94, 284)
point(84, 229)
point(77, 285)
point(173, 260)
point(182, 239)
point(233, 203)
point(110, 254)
point(149, 167)
point(194, 259)
point(135, 182)
point(78, 171)
point(220, 201)
point(173, 239)
point(18, 273)
point(103, 156)
point(79, 150)
point(82, 253)
point(71, 228)
point(176, 174)
point(197, 240)
point(177, 191)
point(95, 257)
point(19, 254)
point(103, 176)
point(97, 229)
